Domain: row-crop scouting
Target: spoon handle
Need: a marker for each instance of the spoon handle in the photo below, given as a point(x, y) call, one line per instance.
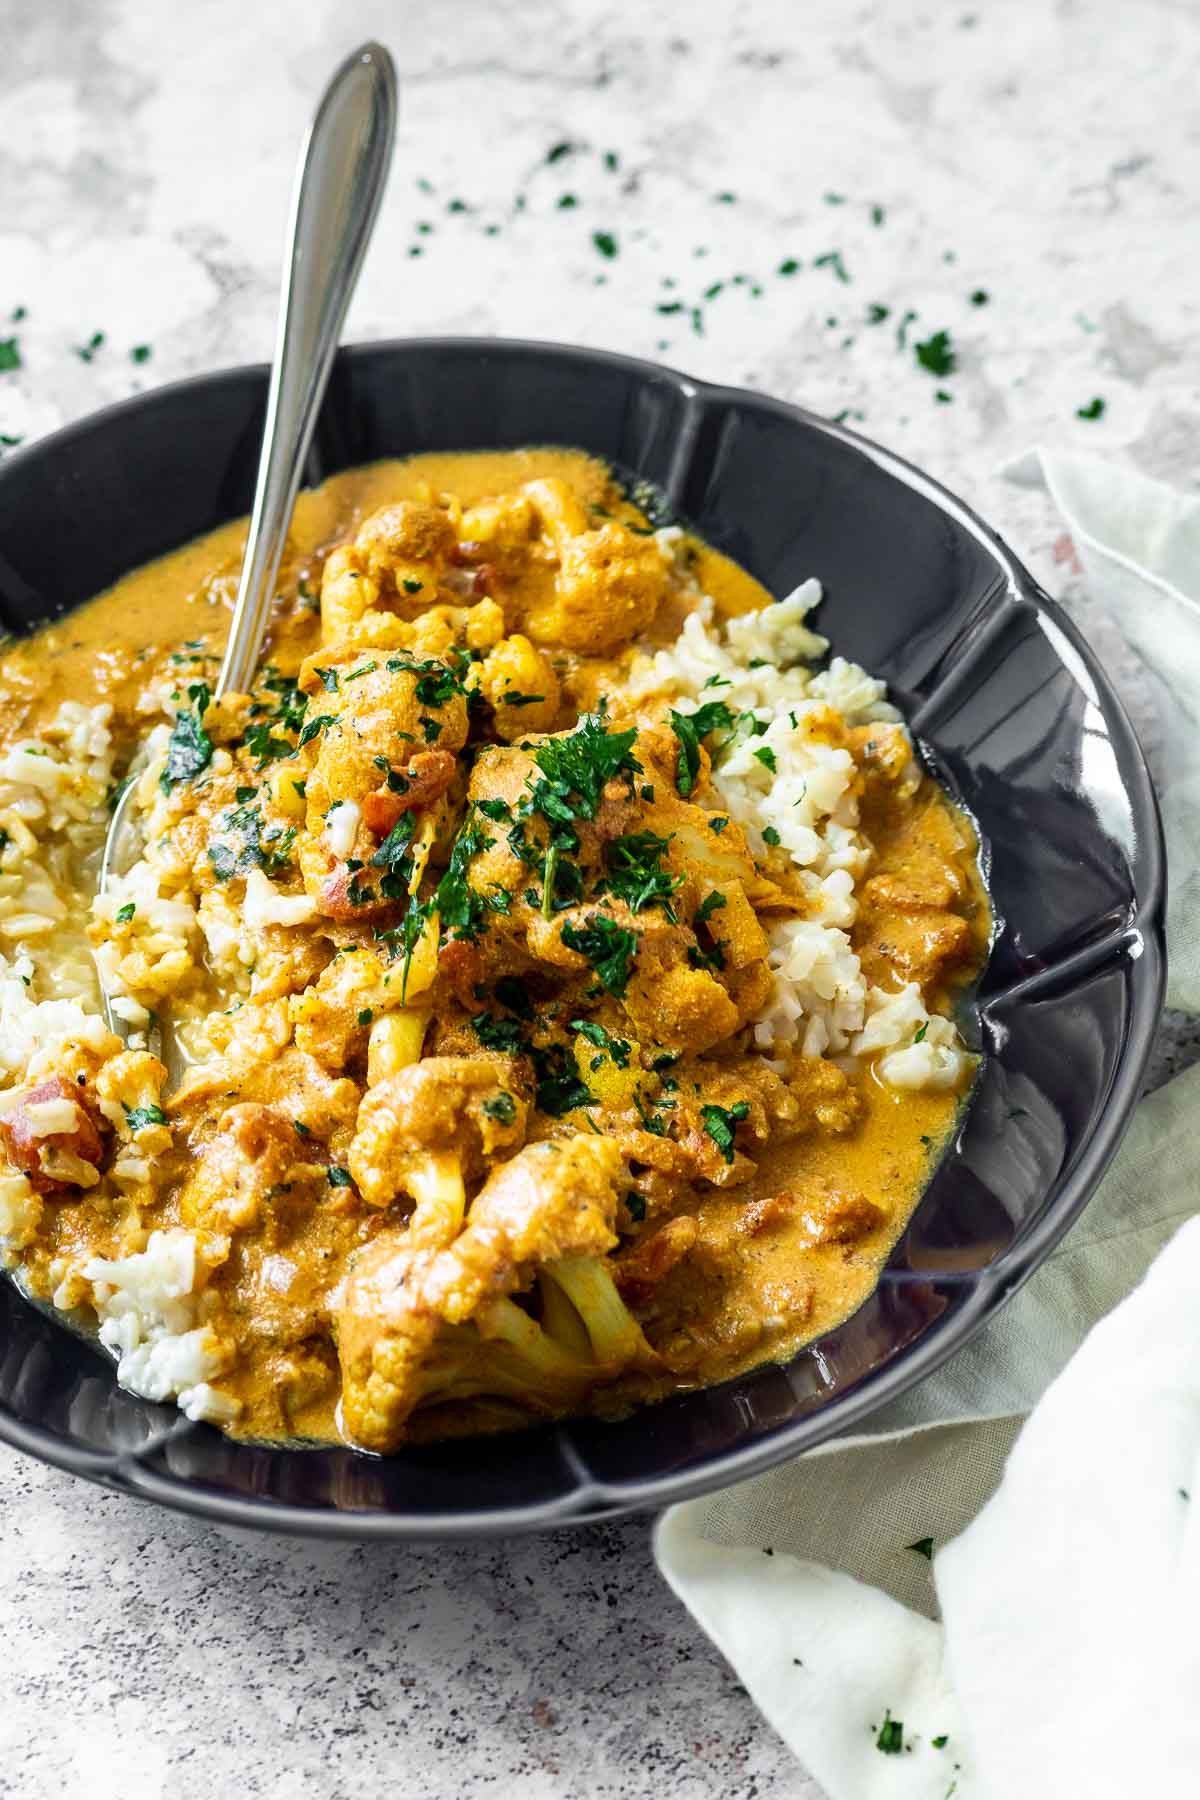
point(340, 179)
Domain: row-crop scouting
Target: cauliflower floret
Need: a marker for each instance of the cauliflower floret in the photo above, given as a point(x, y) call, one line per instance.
point(417, 1324)
point(609, 582)
point(406, 548)
point(129, 1089)
point(434, 1125)
point(522, 687)
point(348, 592)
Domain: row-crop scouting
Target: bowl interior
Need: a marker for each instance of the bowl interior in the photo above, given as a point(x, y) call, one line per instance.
point(1013, 715)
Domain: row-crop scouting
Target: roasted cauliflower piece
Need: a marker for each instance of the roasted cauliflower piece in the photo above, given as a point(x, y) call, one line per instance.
point(608, 584)
point(418, 1325)
point(406, 549)
point(520, 682)
point(435, 1126)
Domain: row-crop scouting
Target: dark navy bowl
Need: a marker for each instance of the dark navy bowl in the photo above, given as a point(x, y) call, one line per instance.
point(1012, 712)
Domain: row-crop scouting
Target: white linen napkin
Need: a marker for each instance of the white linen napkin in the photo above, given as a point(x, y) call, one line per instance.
point(1067, 1662)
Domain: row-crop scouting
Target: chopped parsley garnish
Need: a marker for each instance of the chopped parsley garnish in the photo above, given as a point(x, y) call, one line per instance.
point(690, 729)
point(770, 835)
point(411, 586)
point(609, 947)
point(431, 727)
point(766, 756)
point(721, 1122)
point(718, 823)
point(125, 913)
point(270, 850)
point(617, 1048)
point(559, 1089)
point(338, 1177)
point(710, 904)
point(329, 679)
point(498, 811)
point(394, 848)
point(435, 687)
point(138, 1117)
point(190, 749)
point(634, 872)
point(940, 1742)
point(498, 1034)
point(516, 699)
point(922, 1547)
point(365, 1016)
point(315, 727)
point(10, 355)
point(937, 354)
point(576, 769)
point(832, 259)
point(456, 902)
point(301, 1129)
point(919, 1034)
point(891, 1736)
point(605, 243)
point(635, 1206)
point(503, 1108)
point(1093, 410)
point(262, 744)
point(140, 353)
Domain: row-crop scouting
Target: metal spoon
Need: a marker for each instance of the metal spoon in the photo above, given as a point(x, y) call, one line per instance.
point(340, 178)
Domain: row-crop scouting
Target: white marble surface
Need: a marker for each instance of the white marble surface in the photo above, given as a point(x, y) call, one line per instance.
point(1047, 154)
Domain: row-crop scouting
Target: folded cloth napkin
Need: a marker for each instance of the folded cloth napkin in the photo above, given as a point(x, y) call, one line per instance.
point(1066, 1663)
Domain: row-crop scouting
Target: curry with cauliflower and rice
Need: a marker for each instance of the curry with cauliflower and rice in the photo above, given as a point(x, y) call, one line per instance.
point(558, 951)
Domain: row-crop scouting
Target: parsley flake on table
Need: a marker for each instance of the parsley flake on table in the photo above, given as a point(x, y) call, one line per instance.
point(10, 354)
point(939, 1743)
point(141, 353)
point(891, 1736)
point(605, 243)
point(86, 352)
point(936, 354)
point(1093, 410)
point(832, 259)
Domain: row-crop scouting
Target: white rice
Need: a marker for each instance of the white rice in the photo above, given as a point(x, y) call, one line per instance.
point(779, 776)
point(147, 1311)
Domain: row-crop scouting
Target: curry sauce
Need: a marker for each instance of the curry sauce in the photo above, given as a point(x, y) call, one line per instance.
point(527, 1055)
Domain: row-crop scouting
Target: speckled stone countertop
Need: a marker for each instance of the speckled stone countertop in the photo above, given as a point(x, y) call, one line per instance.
point(1021, 176)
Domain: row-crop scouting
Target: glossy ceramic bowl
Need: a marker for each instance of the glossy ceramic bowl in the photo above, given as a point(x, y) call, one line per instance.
point(1012, 712)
